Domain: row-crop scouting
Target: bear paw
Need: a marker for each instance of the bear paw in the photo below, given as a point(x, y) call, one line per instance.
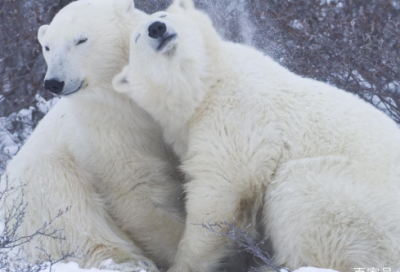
point(130, 266)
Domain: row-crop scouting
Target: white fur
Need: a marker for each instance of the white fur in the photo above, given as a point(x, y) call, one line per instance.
point(321, 165)
point(97, 152)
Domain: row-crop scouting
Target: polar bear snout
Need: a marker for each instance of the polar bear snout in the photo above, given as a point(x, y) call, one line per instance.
point(157, 30)
point(162, 37)
point(54, 86)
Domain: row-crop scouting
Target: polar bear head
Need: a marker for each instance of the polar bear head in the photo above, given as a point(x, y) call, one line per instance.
point(172, 55)
point(87, 43)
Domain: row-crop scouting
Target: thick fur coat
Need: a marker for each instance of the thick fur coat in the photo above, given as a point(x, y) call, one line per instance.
point(321, 165)
point(98, 152)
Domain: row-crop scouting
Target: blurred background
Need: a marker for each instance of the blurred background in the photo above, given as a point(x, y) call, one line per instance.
point(352, 44)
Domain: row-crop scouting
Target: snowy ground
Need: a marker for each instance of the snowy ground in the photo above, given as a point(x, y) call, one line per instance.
point(73, 267)
point(312, 269)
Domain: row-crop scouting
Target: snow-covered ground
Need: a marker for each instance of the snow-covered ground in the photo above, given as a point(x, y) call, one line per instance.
point(73, 267)
point(313, 269)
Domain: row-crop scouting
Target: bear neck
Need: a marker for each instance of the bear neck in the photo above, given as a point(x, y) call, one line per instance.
point(173, 114)
point(199, 85)
point(102, 105)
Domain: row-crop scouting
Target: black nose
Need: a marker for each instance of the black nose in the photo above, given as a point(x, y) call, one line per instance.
point(54, 86)
point(157, 29)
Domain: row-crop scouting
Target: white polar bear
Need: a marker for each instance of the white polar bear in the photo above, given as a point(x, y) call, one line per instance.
point(321, 165)
point(97, 151)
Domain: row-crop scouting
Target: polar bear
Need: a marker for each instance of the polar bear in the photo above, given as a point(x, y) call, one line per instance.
point(97, 151)
point(322, 166)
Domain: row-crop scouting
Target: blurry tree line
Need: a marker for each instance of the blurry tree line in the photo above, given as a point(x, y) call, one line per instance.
point(352, 44)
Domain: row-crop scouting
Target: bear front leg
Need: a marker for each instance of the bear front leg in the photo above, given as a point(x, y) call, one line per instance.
point(207, 202)
point(53, 183)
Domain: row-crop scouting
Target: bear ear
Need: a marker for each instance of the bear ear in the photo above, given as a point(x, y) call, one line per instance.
point(125, 5)
point(185, 4)
point(120, 82)
point(42, 30)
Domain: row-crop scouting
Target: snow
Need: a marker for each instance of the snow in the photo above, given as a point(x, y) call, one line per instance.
point(73, 267)
point(296, 24)
point(43, 105)
point(16, 128)
point(394, 87)
point(313, 269)
point(107, 262)
point(10, 141)
point(2, 225)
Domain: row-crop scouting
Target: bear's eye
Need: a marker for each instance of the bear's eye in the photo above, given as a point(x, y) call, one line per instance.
point(163, 16)
point(47, 48)
point(81, 41)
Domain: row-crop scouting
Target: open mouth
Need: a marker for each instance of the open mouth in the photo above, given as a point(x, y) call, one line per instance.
point(80, 87)
point(166, 41)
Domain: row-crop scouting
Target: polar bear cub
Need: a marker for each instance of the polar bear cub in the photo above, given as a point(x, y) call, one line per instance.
point(321, 165)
